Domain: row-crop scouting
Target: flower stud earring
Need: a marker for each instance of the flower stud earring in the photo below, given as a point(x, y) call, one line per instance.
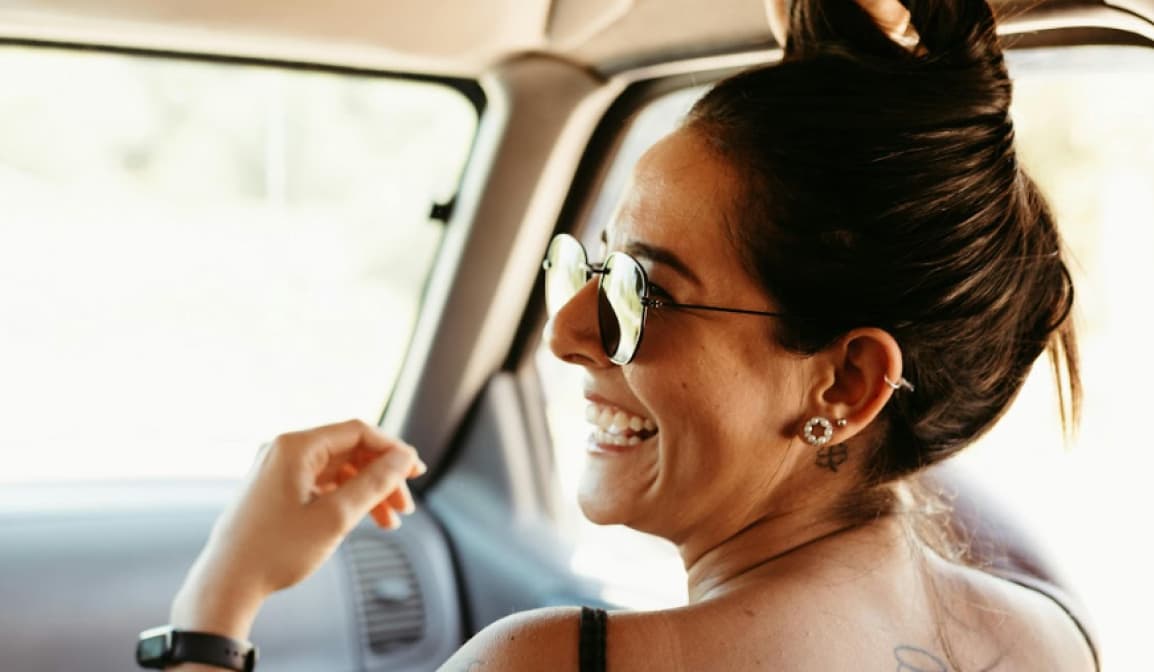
point(823, 425)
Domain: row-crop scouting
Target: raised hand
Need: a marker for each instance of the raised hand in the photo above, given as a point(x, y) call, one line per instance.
point(306, 492)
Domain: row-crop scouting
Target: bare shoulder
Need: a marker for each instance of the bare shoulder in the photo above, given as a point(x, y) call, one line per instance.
point(541, 639)
point(548, 639)
point(1037, 632)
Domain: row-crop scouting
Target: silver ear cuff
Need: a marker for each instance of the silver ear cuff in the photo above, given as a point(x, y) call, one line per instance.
point(902, 383)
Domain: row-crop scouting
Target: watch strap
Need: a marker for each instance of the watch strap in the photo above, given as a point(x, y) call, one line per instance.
point(208, 649)
point(164, 647)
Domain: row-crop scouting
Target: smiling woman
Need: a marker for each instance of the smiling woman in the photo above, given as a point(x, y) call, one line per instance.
point(1081, 132)
point(182, 234)
point(914, 275)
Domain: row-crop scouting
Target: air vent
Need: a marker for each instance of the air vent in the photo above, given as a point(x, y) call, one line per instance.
point(392, 613)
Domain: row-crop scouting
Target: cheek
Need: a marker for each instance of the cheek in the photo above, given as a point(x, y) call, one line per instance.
point(728, 390)
point(704, 414)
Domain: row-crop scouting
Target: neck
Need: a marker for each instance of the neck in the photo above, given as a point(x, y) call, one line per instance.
point(757, 549)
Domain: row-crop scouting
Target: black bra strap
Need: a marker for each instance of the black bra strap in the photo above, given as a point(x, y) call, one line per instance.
point(592, 643)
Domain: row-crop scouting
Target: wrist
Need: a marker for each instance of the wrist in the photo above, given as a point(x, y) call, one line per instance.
point(215, 607)
point(223, 617)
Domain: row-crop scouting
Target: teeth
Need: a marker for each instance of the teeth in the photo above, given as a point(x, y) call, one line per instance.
point(615, 439)
point(616, 427)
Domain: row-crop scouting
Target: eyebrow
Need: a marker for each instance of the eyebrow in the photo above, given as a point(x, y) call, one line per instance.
point(661, 255)
point(656, 254)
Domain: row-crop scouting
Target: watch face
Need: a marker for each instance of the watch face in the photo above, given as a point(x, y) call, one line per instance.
point(150, 649)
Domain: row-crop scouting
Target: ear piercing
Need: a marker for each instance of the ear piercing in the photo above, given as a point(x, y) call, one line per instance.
point(814, 439)
point(902, 383)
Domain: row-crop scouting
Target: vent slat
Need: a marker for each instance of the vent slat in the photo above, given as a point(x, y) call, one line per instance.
point(415, 622)
point(381, 572)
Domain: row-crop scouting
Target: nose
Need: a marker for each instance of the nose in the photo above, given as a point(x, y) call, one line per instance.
point(573, 334)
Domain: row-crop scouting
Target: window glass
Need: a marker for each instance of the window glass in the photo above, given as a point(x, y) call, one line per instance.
point(1085, 133)
point(197, 255)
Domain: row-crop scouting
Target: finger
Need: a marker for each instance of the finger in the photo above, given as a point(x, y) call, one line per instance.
point(385, 517)
point(335, 467)
point(372, 485)
point(890, 15)
point(894, 20)
point(323, 489)
point(316, 455)
point(401, 500)
point(345, 473)
point(360, 458)
point(419, 469)
point(324, 445)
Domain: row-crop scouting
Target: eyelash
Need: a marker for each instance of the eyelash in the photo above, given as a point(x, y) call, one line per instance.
point(658, 290)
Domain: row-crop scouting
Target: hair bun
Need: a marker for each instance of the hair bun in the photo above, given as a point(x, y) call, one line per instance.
point(957, 49)
point(948, 31)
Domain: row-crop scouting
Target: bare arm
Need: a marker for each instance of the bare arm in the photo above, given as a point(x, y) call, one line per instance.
point(307, 491)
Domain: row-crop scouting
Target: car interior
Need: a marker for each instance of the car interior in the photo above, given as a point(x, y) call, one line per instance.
point(221, 221)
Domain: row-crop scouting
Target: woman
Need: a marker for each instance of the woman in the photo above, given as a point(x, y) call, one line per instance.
point(848, 279)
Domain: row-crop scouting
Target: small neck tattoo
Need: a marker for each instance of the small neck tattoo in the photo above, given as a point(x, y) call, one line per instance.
point(832, 457)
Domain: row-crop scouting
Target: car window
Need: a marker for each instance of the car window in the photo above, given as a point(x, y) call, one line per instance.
point(196, 255)
point(1085, 132)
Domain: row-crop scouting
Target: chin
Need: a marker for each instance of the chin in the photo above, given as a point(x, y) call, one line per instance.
point(611, 495)
point(602, 509)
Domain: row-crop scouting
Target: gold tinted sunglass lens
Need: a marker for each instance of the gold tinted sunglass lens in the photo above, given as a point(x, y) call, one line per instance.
point(566, 271)
point(620, 312)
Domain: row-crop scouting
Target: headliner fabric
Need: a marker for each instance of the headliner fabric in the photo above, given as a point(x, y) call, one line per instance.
point(455, 37)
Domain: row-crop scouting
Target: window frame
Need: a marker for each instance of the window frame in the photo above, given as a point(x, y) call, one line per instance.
point(478, 94)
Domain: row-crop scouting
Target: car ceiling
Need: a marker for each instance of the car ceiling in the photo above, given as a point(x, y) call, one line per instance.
point(447, 37)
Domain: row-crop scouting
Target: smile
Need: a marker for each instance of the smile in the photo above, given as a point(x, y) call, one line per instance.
point(615, 427)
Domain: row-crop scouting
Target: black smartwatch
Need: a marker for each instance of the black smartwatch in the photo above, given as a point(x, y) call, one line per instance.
point(159, 648)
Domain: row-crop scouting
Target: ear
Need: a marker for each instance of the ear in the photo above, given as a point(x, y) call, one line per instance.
point(852, 385)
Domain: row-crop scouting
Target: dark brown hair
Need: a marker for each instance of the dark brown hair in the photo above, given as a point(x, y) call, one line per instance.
point(882, 188)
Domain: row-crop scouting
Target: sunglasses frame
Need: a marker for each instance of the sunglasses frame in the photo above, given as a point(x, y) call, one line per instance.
point(646, 301)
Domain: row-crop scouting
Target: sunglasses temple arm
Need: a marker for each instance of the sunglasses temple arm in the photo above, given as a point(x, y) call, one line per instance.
point(657, 303)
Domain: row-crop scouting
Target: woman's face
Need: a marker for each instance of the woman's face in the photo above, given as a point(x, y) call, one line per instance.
point(701, 425)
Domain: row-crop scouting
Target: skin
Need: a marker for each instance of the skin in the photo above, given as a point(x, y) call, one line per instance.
point(776, 581)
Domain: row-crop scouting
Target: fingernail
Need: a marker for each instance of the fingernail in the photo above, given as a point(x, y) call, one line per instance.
point(421, 467)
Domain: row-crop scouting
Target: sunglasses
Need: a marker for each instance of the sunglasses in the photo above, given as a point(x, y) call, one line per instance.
point(623, 299)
